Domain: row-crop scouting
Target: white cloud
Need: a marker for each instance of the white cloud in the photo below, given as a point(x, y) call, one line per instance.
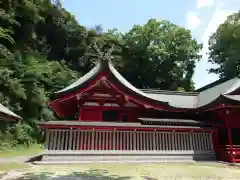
point(219, 16)
point(193, 20)
point(205, 3)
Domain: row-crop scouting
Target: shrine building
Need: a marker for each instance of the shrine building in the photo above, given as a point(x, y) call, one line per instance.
point(106, 118)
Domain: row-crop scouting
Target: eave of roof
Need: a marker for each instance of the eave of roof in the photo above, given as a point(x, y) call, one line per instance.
point(83, 79)
point(107, 66)
point(113, 124)
point(207, 95)
point(170, 120)
point(159, 91)
point(7, 112)
point(217, 82)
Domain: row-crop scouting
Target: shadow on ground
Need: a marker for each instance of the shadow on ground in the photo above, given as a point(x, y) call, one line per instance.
point(94, 174)
point(148, 178)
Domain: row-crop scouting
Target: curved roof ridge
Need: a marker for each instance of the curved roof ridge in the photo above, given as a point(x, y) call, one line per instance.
point(8, 112)
point(234, 87)
point(125, 82)
point(82, 79)
point(212, 84)
point(233, 97)
point(159, 91)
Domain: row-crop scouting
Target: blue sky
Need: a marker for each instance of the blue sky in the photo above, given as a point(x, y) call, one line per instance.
point(202, 17)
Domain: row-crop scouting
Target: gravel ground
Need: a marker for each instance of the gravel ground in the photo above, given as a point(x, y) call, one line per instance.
point(147, 171)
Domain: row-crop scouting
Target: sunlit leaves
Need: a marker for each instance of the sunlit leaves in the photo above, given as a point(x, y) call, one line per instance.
point(224, 47)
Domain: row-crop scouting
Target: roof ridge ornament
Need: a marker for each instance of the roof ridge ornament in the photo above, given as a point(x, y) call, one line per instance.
point(103, 56)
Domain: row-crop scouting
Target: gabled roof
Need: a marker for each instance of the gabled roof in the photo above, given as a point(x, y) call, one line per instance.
point(213, 91)
point(221, 91)
point(91, 74)
point(7, 112)
point(113, 76)
point(174, 98)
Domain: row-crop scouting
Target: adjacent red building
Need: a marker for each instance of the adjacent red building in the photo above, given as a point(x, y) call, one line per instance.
point(108, 119)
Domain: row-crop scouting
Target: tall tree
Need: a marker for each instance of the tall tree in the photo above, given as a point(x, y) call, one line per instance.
point(160, 55)
point(43, 49)
point(224, 47)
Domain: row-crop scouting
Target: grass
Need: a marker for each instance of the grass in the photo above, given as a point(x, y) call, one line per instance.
point(12, 166)
point(23, 151)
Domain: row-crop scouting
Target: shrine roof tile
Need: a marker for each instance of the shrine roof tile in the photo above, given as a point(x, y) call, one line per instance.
point(202, 97)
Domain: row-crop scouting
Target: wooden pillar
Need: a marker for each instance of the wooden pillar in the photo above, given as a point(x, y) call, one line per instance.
point(74, 140)
point(62, 140)
point(176, 141)
point(82, 140)
point(80, 113)
point(191, 141)
point(124, 140)
point(114, 138)
point(59, 139)
point(117, 140)
point(230, 144)
point(93, 140)
point(159, 140)
point(107, 140)
point(187, 140)
point(163, 141)
point(46, 145)
point(180, 141)
point(140, 140)
point(210, 141)
point(78, 140)
point(85, 140)
point(173, 141)
point(70, 140)
point(120, 140)
point(100, 144)
point(155, 141)
point(197, 142)
point(204, 141)
point(134, 140)
point(215, 140)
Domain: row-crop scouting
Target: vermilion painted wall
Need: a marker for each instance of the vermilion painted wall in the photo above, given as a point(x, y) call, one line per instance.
point(88, 114)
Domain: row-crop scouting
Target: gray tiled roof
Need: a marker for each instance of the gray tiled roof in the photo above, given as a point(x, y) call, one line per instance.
point(6, 111)
point(187, 100)
point(83, 79)
point(175, 99)
point(208, 95)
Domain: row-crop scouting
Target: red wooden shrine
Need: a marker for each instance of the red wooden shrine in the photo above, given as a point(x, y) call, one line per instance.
point(103, 106)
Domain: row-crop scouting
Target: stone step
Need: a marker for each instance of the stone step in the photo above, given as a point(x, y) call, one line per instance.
point(107, 161)
point(113, 158)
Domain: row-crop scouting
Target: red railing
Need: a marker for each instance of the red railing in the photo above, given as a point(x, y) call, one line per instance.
point(226, 153)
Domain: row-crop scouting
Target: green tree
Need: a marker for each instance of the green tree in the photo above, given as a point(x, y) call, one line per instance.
point(224, 47)
point(161, 55)
point(43, 49)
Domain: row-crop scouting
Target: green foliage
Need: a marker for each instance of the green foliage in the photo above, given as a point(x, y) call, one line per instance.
point(165, 53)
point(43, 49)
point(224, 47)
